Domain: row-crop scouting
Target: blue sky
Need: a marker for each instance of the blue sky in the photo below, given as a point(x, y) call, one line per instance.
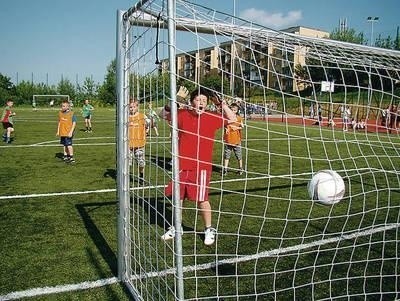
point(76, 38)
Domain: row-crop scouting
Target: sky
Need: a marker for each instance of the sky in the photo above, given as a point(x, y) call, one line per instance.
point(46, 40)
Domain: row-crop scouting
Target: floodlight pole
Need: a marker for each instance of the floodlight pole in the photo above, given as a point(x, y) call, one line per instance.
point(372, 20)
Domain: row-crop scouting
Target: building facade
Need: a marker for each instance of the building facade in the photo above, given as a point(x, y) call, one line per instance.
point(247, 63)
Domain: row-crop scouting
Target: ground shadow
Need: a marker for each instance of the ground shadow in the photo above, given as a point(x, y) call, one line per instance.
point(59, 155)
point(162, 162)
point(110, 173)
point(95, 234)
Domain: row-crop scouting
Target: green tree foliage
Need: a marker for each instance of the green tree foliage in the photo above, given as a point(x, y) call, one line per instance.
point(7, 89)
point(348, 35)
point(107, 92)
point(66, 87)
point(388, 42)
point(397, 40)
point(25, 91)
point(215, 82)
point(88, 89)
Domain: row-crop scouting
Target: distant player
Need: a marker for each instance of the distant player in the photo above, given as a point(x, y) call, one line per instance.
point(153, 119)
point(65, 129)
point(7, 121)
point(87, 115)
point(233, 141)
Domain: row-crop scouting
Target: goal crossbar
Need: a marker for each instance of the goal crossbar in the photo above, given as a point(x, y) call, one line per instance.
point(354, 52)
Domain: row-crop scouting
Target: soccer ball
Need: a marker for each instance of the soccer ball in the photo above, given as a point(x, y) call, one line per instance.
point(326, 187)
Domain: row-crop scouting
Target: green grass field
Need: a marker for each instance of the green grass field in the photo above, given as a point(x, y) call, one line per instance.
point(51, 238)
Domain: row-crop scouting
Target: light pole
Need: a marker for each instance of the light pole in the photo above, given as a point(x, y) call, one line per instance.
point(372, 20)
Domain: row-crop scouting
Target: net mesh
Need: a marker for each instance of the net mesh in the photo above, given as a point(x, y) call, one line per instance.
point(308, 104)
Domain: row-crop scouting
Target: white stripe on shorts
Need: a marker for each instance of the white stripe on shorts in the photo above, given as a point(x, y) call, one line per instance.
point(203, 186)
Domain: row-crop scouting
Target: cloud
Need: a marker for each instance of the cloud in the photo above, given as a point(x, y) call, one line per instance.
point(272, 20)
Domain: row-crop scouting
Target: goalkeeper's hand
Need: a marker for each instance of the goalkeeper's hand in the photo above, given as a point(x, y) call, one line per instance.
point(182, 94)
point(216, 100)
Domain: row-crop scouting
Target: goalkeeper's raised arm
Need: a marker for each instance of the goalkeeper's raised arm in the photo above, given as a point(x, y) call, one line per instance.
point(181, 96)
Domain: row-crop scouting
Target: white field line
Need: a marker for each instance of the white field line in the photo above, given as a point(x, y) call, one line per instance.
point(53, 143)
point(205, 266)
point(305, 176)
point(58, 289)
point(38, 195)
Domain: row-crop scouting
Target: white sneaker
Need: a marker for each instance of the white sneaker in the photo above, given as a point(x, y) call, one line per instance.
point(209, 236)
point(170, 234)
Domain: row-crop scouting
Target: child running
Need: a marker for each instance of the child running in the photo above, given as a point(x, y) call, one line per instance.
point(7, 121)
point(65, 130)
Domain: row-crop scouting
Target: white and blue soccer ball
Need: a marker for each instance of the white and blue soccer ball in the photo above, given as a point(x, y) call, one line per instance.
point(326, 187)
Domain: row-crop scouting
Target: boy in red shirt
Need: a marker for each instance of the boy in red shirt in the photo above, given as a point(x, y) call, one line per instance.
point(233, 140)
point(196, 133)
point(7, 121)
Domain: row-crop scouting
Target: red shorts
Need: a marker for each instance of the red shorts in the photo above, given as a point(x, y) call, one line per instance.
point(7, 125)
point(194, 185)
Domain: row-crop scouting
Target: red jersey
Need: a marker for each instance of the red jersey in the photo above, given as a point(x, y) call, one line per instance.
point(196, 138)
point(7, 115)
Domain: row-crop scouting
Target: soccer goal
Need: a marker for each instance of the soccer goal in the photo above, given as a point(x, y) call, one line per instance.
point(43, 101)
point(275, 240)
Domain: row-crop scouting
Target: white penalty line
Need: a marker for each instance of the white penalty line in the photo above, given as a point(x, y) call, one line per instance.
point(59, 289)
point(38, 195)
point(272, 253)
point(206, 266)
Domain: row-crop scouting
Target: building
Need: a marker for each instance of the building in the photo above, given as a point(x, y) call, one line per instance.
point(253, 63)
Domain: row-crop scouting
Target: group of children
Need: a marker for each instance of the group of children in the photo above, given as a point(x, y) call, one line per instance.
point(65, 129)
point(196, 133)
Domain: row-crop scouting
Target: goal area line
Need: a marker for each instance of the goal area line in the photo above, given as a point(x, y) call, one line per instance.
point(255, 178)
point(271, 253)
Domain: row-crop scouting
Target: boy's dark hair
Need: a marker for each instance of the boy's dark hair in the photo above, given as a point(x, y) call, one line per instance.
point(235, 105)
point(200, 91)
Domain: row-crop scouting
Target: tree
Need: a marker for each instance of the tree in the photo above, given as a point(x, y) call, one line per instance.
point(215, 82)
point(384, 42)
point(397, 40)
point(107, 91)
point(24, 92)
point(66, 87)
point(348, 35)
point(7, 88)
point(89, 88)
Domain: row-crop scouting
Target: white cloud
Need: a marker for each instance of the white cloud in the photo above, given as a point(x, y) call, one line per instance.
point(272, 20)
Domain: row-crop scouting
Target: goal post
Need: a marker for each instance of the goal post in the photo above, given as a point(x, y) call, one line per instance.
point(275, 240)
point(42, 101)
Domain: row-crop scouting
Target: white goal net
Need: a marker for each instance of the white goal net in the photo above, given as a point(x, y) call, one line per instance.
point(47, 101)
point(307, 104)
